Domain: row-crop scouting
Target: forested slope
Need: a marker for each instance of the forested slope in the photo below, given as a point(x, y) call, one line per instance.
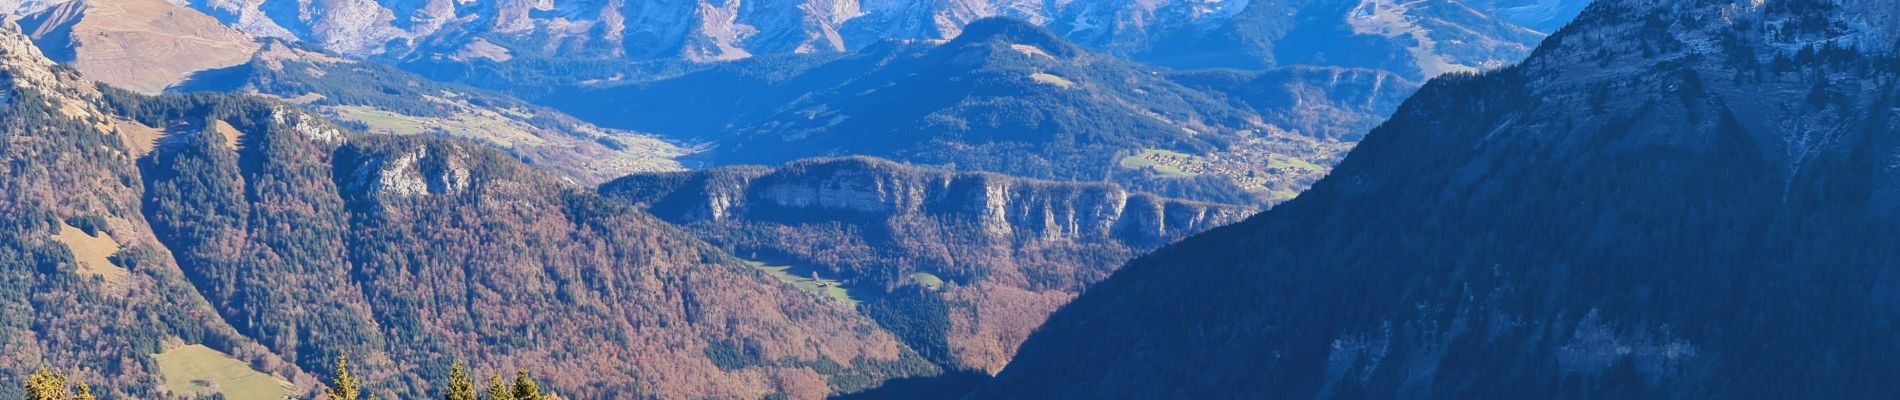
point(85, 284)
point(1685, 199)
point(405, 253)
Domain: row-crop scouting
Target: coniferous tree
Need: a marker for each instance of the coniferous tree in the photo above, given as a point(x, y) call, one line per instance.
point(497, 390)
point(46, 385)
point(49, 385)
point(525, 387)
point(460, 387)
point(344, 386)
point(83, 392)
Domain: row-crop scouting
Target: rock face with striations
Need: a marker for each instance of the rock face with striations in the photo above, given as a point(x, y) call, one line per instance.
point(999, 252)
point(1000, 205)
point(1683, 199)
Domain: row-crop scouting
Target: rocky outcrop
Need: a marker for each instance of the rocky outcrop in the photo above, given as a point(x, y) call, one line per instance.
point(962, 265)
point(871, 189)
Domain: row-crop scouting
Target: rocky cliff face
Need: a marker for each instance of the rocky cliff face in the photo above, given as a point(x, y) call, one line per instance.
point(1001, 206)
point(962, 265)
point(1578, 226)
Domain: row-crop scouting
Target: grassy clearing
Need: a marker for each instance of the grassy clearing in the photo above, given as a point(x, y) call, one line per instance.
point(1283, 162)
point(197, 370)
point(1031, 51)
point(305, 99)
point(926, 279)
point(805, 279)
point(232, 136)
point(380, 121)
point(139, 138)
point(94, 253)
point(1170, 163)
point(486, 126)
point(1048, 79)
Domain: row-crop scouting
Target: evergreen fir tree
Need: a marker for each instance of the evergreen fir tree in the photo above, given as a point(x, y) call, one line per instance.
point(525, 387)
point(344, 387)
point(83, 392)
point(460, 386)
point(497, 390)
point(45, 385)
point(49, 385)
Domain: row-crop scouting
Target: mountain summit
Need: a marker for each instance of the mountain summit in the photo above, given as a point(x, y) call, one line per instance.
point(1684, 199)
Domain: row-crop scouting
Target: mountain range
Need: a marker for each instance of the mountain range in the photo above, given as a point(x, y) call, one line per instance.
point(1686, 199)
point(1418, 39)
point(1012, 98)
point(1000, 97)
point(949, 198)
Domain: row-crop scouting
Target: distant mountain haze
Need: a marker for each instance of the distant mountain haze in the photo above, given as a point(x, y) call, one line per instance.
point(1012, 98)
point(1054, 103)
point(377, 98)
point(1416, 38)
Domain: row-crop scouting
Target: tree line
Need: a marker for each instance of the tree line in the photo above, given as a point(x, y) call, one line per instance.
point(52, 385)
point(460, 386)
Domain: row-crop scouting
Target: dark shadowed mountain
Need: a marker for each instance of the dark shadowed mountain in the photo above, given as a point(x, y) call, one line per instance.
point(1685, 199)
point(962, 266)
point(1009, 97)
